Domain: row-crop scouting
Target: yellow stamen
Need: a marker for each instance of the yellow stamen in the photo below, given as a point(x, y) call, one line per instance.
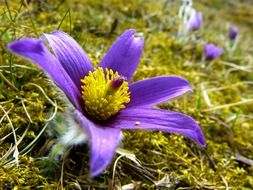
point(100, 104)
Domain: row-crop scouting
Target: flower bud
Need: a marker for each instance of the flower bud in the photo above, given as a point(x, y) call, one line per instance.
point(195, 21)
point(212, 51)
point(233, 32)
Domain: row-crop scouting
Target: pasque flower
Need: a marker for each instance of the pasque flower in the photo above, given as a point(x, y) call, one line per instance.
point(195, 21)
point(232, 33)
point(105, 100)
point(212, 51)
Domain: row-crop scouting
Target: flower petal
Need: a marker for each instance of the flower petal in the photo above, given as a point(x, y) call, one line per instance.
point(156, 90)
point(124, 54)
point(162, 120)
point(34, 50)
point(72, 57)
point(103, 142)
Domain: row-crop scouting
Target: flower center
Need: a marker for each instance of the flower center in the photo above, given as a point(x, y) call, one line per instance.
point(104, 93)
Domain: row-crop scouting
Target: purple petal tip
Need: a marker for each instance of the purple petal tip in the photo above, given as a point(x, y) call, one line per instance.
point(124, 55)
point(25, 44)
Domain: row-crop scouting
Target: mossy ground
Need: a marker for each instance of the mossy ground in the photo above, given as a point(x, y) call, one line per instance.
point(28, 100)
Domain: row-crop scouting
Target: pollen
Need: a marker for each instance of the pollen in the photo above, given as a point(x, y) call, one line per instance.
point(101, 99)
point(137, 123)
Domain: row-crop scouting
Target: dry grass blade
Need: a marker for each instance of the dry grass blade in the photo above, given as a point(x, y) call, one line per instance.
point(16, 152)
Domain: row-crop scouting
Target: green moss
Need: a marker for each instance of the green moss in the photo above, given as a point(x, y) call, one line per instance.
point(26, 176)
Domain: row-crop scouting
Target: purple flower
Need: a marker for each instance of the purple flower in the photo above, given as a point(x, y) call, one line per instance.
point(105, 99)
point(212, 51)
point(233, 32)
point(195, 21)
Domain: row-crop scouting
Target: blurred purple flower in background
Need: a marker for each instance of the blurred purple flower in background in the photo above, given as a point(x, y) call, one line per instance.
point(211, 51)
point(233, 33)
point(104, 98)
point(195, 21)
